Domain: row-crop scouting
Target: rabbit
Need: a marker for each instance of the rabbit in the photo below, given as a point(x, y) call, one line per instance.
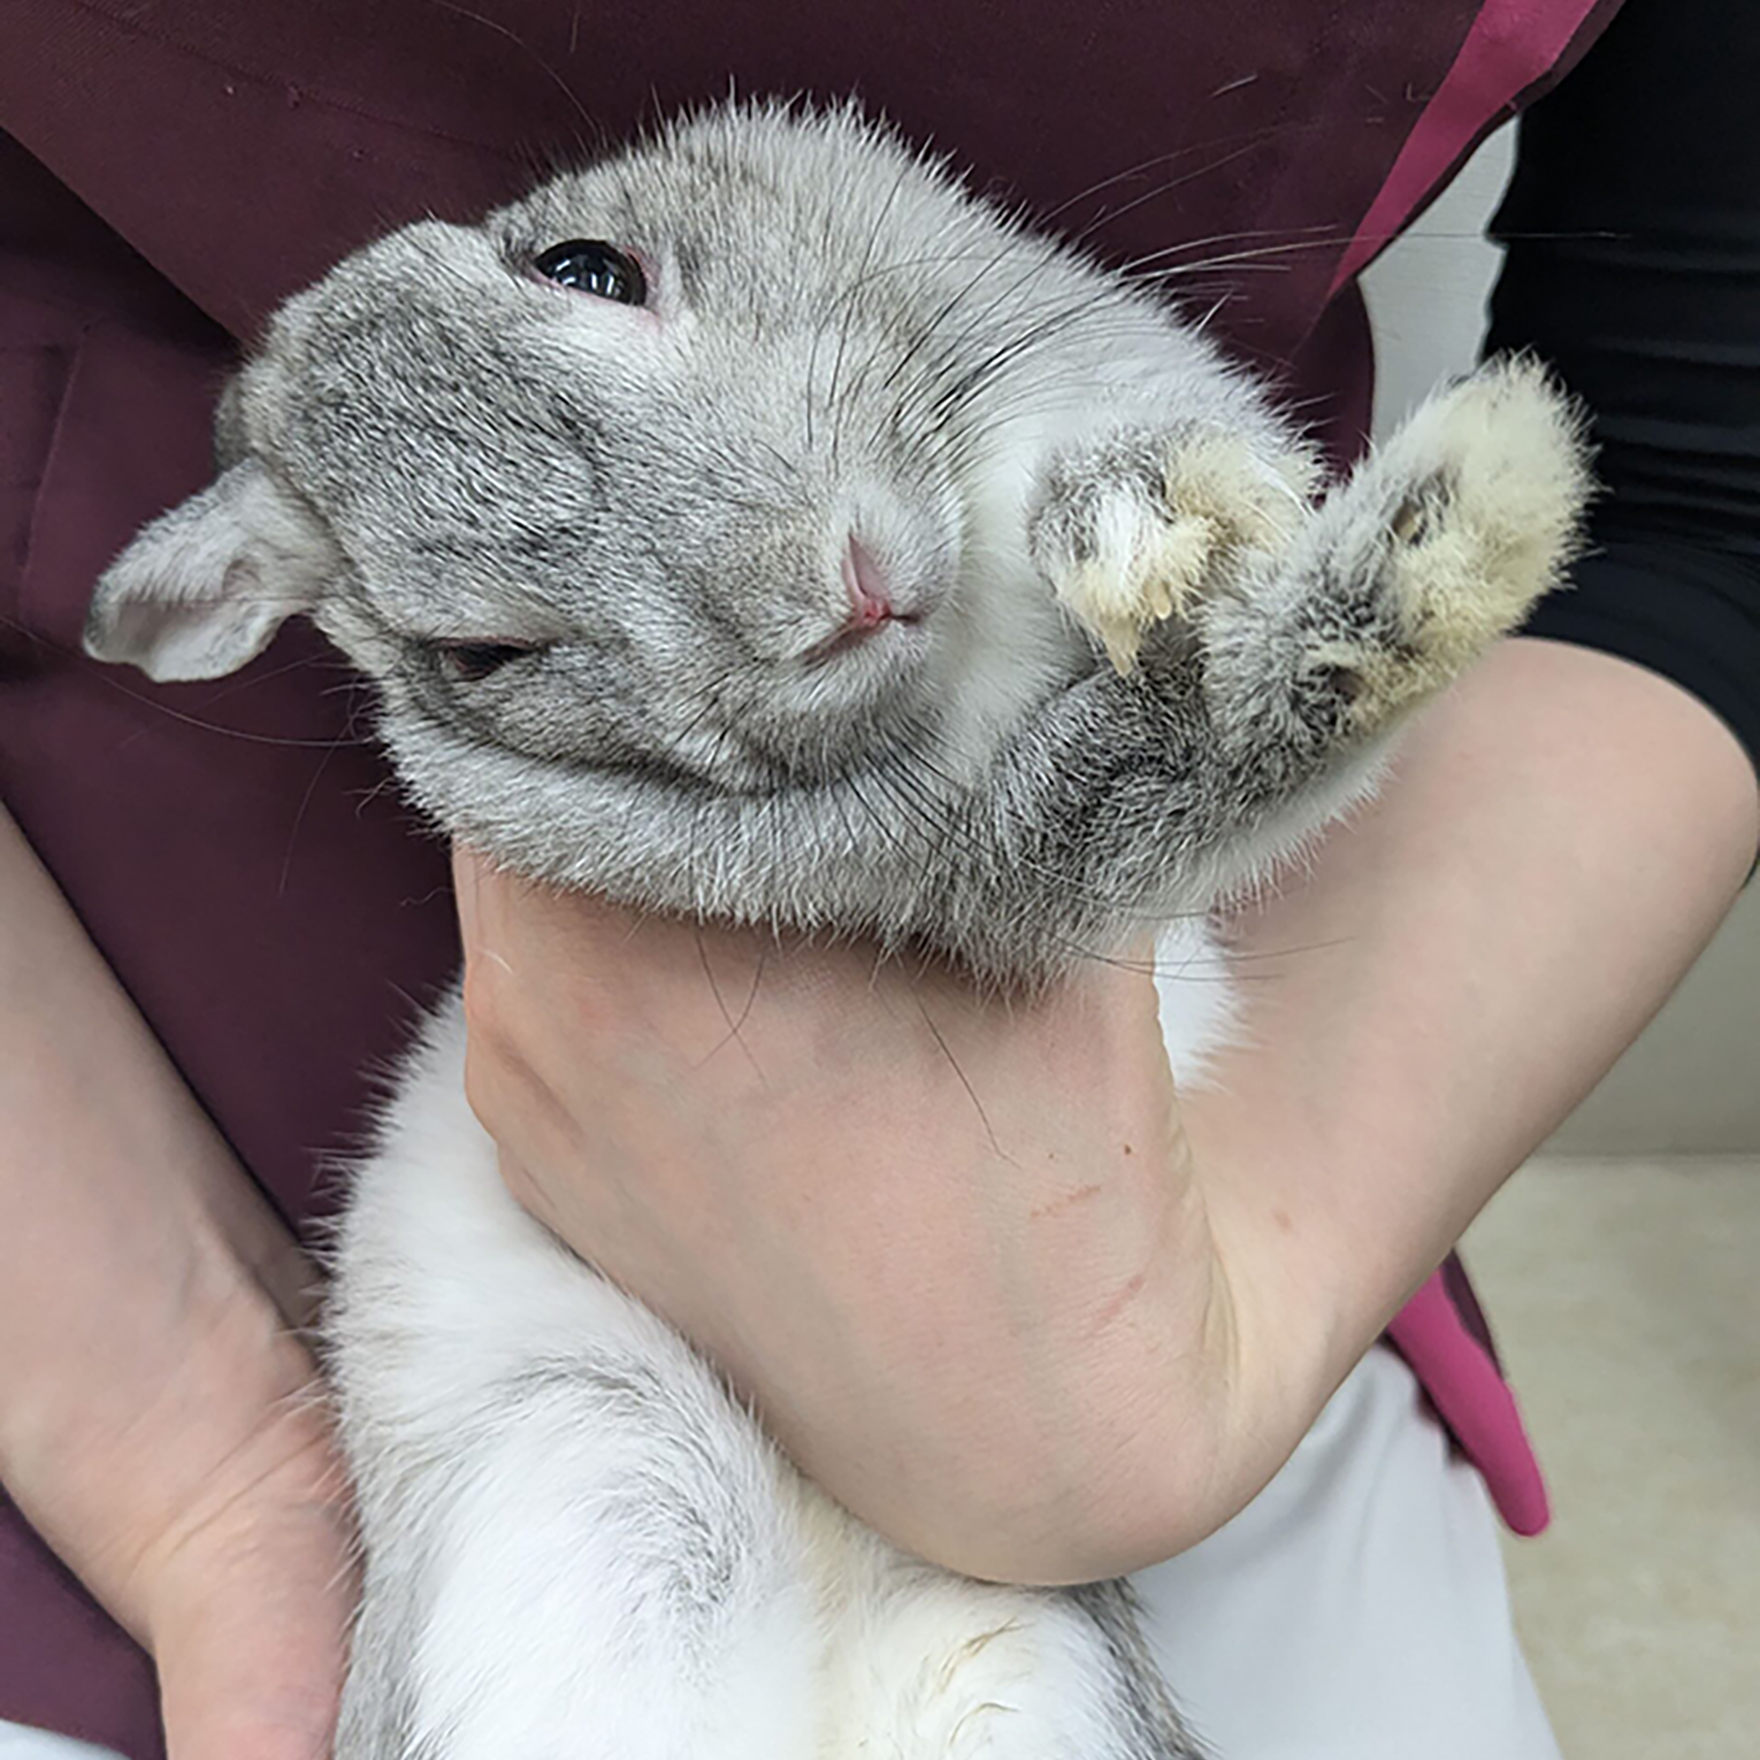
point(759, 526)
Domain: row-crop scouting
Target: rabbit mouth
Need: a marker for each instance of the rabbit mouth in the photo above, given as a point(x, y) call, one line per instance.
point(881, 637)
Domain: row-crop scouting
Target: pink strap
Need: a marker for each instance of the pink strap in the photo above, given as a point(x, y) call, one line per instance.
point(1474, 1401)
point(1511, 45)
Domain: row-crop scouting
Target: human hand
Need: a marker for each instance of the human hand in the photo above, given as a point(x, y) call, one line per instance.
point(956, 1252)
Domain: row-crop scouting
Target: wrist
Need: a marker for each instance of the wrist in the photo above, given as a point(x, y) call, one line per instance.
point(264, 1469)
point(1216, 1411)
point(1216, 1407)
point(119, 1441)
point(1147, 1438)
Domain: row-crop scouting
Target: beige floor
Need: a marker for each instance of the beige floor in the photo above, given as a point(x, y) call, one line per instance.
point(1626, 1297)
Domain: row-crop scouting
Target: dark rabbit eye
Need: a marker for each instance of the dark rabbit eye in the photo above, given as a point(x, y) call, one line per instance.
point(589, 265)
point(471, 662)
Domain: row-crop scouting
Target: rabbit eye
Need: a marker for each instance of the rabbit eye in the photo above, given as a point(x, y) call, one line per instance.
point(589, 265)
point(471, 662)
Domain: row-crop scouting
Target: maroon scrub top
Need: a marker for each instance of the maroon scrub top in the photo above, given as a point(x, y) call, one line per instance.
point(169, 172)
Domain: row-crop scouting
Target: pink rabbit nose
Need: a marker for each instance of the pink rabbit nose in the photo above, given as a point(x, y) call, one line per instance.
point(870, 600)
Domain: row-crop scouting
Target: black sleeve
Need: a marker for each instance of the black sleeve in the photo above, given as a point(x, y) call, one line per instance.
point(1632, 238)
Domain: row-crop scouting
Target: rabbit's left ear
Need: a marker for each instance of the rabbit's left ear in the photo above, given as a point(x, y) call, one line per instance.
point(203, 588)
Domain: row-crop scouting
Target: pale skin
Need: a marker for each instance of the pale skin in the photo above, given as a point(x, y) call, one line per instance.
point(996, 1334)
point(154, 1419)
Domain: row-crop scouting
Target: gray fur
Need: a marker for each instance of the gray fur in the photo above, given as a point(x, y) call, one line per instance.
point(432, 445)
point(843, 338)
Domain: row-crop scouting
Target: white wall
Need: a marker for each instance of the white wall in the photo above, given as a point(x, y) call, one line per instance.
point(1692, 1083)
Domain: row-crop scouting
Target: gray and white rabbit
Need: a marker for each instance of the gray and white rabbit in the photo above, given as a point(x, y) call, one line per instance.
point(758, 525)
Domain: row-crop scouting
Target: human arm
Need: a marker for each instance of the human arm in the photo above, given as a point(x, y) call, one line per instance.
point(155, 1420)
point(819, 1202)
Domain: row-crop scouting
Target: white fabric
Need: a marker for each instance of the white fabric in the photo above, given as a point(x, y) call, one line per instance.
point(19, 1743)
point(1356, 1610)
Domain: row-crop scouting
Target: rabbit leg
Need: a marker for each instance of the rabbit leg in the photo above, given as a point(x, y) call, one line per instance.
point(570, 1581)
point(573, 1539)
point(930, 1666)
point(1439, 543)
point(1258, 710)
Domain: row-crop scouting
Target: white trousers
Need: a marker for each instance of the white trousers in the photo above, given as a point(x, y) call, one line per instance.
point(1355, 1610)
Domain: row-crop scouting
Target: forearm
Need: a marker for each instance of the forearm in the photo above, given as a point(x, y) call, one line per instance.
point(137, 1262)
point(1560, 837)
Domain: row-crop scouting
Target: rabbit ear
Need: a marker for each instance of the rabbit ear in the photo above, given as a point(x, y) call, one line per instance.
point(203, 588)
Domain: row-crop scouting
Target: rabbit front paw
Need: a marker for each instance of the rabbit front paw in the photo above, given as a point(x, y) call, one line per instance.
point(1472, 513)
point(1134, 530)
